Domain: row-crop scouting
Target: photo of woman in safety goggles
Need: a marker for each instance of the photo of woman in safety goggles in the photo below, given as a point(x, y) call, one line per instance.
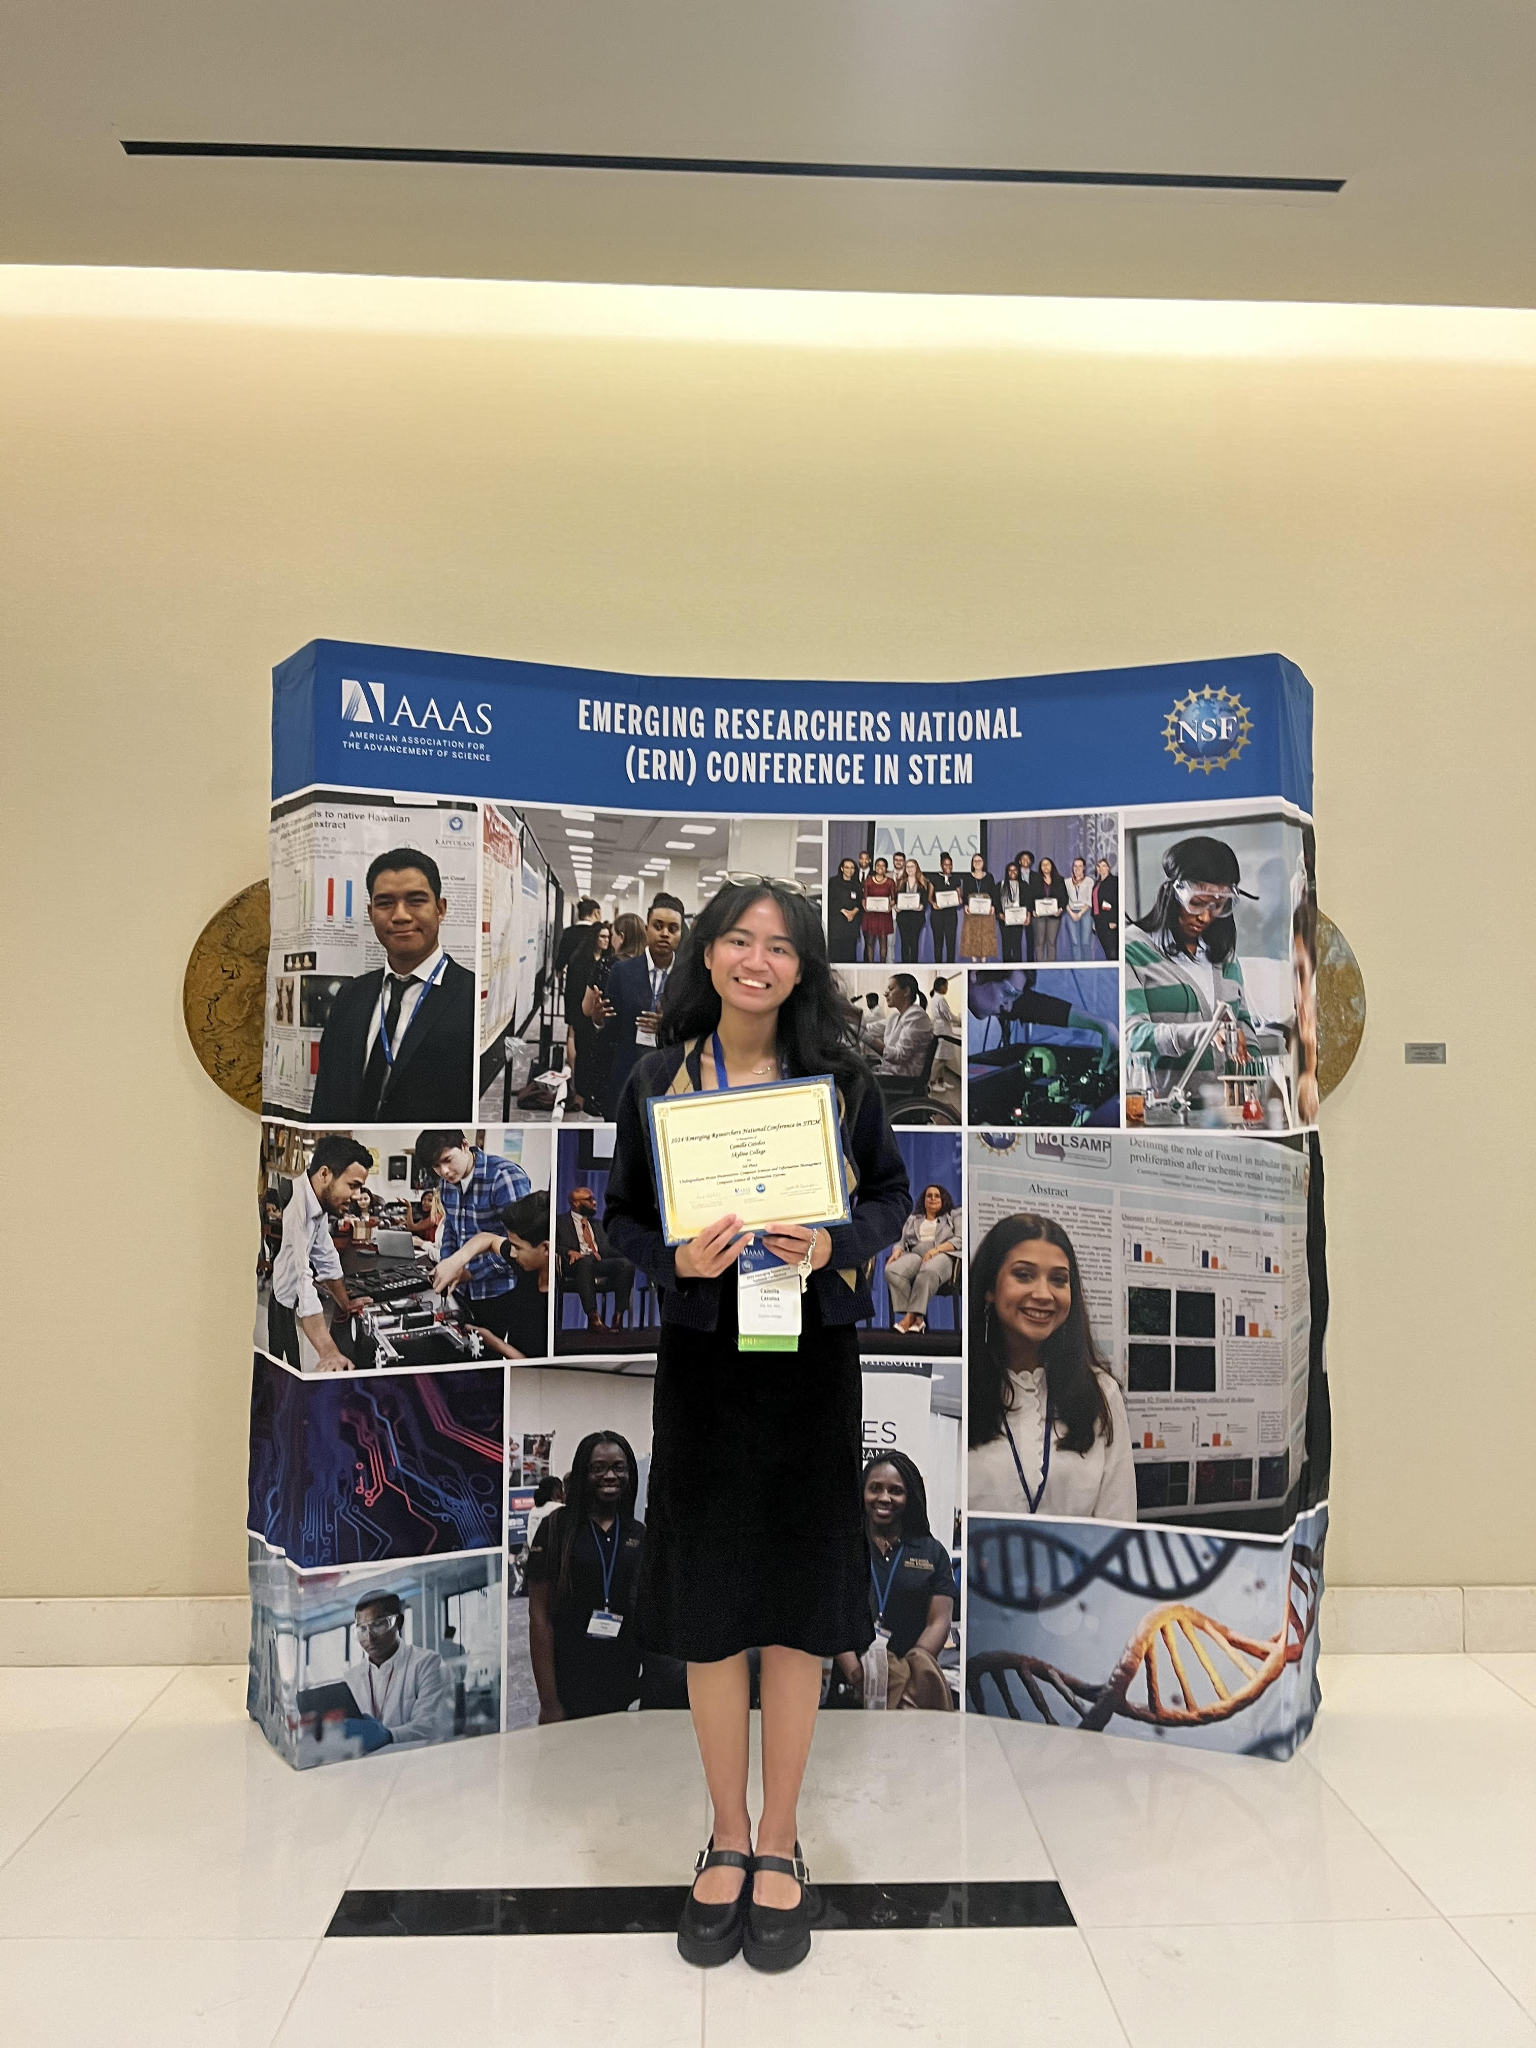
point(1202, 1049)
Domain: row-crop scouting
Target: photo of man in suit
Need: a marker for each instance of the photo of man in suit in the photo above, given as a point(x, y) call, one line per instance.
point(399, 1043)
point(587, 1265)
point(633, 993)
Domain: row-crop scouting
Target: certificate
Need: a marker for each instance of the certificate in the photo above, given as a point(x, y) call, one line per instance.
point(909, 899)
point(768, 1155)
point(1014, 914)
point(1047, 906)
point(978, 906)
point(946, 899)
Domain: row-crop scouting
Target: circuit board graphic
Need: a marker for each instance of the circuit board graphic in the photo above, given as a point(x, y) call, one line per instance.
point(351, 1471)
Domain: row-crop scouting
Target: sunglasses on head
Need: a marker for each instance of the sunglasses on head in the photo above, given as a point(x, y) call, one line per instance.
point(767, 882)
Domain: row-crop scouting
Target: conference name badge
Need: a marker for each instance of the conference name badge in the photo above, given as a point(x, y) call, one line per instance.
point(767, 1300)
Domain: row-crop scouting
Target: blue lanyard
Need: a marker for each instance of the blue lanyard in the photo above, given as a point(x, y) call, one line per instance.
point(721, 1079)
point(389, 1050)
point(607, 1555)
point(1035, 1498)
point(874, 1579)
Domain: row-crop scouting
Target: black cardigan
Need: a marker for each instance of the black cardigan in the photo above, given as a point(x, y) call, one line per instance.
point(881, 1202)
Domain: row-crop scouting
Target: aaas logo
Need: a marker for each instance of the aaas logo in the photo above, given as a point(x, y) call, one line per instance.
point(364, 704)
point(355, 707)
point(1207, 729)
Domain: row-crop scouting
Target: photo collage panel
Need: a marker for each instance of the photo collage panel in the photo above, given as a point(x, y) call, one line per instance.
point(1094, 1035)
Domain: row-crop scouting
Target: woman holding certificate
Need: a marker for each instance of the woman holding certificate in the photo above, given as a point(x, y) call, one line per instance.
point(879, 906)
point(911, 907)
point(845, 909)
point(755, 1178)
point(978, 933)
point(1015, 908)
point(1050, 902)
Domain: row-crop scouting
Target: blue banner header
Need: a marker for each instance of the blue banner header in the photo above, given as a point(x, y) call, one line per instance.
point(391, 718)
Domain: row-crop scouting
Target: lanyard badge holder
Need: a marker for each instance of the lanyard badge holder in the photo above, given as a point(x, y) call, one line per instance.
point(768, 1298)
point(1034, 1499)
point(603, 1622)
point(658, 989)
point(767, 1290)
point(883, 1594)
point(391, 1050)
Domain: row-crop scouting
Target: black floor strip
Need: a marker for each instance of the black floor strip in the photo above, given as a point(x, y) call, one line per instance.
point(734, 166)
point(654, 1908)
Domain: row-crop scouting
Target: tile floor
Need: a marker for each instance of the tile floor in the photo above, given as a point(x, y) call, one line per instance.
point(165, 1881)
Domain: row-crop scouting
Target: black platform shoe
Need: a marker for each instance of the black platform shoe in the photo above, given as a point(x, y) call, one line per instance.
point(778, 1937)
point(707, 1935)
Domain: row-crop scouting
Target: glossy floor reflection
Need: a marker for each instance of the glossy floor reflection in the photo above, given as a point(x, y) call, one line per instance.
point(165, 1880)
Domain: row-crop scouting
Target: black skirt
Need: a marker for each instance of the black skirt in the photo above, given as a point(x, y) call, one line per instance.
point(754, 1526)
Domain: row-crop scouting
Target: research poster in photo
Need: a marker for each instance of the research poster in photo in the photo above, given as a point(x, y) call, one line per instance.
point(321, 847)
point(1193, 1257)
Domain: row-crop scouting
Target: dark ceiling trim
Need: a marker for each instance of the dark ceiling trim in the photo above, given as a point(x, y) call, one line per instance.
point(737, 167)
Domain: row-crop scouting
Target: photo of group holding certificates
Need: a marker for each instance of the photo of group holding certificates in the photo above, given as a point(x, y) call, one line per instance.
point(895, 1227)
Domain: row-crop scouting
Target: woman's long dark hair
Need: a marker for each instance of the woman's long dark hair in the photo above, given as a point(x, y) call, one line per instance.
point(914, 1517)
point(1071, 1360)
point(580, 1507)
point(585, 948)
point(920, 1208)
point(815, 1030)
point(1201, 859)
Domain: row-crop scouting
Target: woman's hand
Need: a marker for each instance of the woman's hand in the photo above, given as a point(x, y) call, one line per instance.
point(789, 1241)
point(707, 1256)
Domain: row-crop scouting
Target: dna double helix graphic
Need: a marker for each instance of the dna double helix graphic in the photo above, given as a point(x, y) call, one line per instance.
point(1024, 1567)
point(1181, 1668)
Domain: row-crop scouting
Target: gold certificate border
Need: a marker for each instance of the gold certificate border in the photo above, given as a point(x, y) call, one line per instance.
point(821, 1086)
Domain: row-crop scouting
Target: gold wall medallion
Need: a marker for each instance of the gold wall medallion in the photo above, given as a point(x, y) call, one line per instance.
point(224, 994)
point(1340, 1005)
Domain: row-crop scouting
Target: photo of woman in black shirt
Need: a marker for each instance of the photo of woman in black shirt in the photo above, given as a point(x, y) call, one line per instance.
point(845, 910)
point(582, 1566)
point(911, 1587)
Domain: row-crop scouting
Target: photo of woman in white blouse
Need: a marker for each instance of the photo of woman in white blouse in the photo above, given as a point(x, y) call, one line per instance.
point(1047, 1427)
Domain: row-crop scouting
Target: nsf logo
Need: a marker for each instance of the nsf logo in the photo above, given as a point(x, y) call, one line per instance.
point(1207, 729)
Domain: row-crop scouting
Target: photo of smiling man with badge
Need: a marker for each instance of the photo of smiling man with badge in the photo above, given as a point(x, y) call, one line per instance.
point(398, 1045)
point(754, 1523)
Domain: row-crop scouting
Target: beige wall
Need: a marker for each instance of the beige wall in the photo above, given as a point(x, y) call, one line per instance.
point(185, 504)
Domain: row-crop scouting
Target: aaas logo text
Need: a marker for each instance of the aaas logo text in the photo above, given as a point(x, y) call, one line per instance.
point(364, 704)
point(1207, 729)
